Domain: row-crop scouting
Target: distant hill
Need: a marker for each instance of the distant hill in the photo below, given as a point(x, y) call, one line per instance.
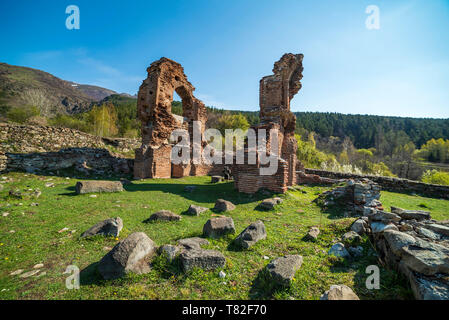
point(94, 92)
point(22, 86)
point(364, 130)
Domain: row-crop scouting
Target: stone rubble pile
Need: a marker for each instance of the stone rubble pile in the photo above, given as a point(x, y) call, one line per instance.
point(360, 197)
point(408, 241)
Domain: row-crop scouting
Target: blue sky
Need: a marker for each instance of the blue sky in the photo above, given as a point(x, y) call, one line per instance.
point(402, 69)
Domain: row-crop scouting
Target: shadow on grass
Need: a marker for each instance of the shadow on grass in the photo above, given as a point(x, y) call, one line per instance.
point(205, 193)
point(91, 276)
point(263, 286)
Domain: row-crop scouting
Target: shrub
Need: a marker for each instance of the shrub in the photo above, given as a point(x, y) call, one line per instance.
point(21, 115)
point(436, 177)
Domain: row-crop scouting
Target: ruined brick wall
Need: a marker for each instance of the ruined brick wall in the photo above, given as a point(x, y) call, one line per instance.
point(276, 92)
point(155, 96)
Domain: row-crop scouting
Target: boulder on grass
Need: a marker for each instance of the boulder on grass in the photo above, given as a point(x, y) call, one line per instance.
point(339, 292)
point(169, 251)
point(223, 205)
point(268, 204)
point(192, 243)
point(339, 250)
point(359, 226)
point(351, 238)
point(282, 270)
point(129, 255)
point(204, 259)
point(163, 215)
point(95, 186)
point(196, 210)
point(313, 233)
point(218, 227)
point(216, 179)
point(252, 234)
point(108, 227)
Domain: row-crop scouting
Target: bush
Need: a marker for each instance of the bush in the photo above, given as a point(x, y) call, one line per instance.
point(21, 115)
point(62, 120)
point(436, 177)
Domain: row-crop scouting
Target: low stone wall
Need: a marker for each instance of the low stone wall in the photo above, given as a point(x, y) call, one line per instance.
point(388, 183)
point(83, 160)
point(15, 138)
point(43, 148)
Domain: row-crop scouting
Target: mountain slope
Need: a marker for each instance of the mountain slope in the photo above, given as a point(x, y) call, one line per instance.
point(22, 86)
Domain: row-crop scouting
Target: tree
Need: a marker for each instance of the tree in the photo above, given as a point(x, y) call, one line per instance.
point(103, 119)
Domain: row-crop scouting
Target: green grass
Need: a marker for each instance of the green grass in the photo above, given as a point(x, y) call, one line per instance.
point(36, 240)
point(439, 208)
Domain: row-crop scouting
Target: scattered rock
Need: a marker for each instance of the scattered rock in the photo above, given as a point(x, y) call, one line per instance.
point(313, 233)
point(441, 229)
point(356, 251)
point(17, 272)
point(63, 230)
point(34, 204)
point(29, 273)
point(169, 251)
point(216, 179)
point(359, 226)
point(378, 227)
point(163, 215)
point(16, 194)
point(339, 292)
point(351, 238)
point(93, 186)
point(221, 274)
point(426, 257)
point(218, 227)
point(252, 234)
point(204, 259)
point(339, 250)
point(193, 243)
point(5, 214)
point(49, 185)
point(269, 204)
point(38, 266)
point(397, 240)
point(196, 210)
point(224, 205)
point(108, 227)
point(385, 217)
point(411, 214)
point(282, 270)
point(129, 255)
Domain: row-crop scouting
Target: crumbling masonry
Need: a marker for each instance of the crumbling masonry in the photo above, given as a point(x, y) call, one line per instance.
point(154, 110)
point(276, 92)
point(155, 96)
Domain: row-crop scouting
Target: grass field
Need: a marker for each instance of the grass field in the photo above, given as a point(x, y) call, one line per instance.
point(36, 240)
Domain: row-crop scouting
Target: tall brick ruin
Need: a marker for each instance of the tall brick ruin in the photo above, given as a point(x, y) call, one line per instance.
point(276, 92)
point(155, 97)
point(154, 102)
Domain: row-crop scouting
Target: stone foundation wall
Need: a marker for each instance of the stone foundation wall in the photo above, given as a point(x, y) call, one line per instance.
point(45, 148)
point(387, 183)
point(15, 138)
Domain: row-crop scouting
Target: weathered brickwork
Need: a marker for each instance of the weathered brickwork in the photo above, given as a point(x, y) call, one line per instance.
point(155, 97)
point(276, 92)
